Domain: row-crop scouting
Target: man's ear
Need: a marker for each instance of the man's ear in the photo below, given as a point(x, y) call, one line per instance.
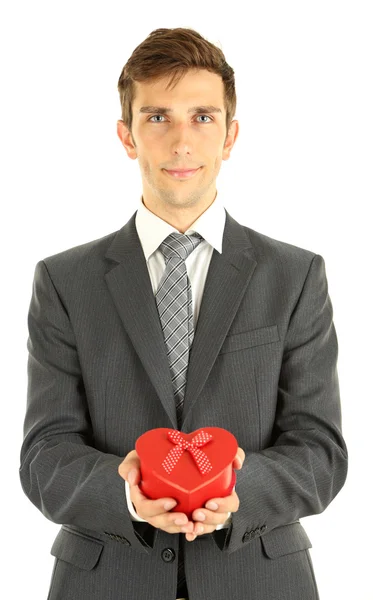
point(230, 139)
point(126, 138)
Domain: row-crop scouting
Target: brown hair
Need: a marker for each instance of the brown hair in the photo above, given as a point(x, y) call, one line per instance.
point(173, 52)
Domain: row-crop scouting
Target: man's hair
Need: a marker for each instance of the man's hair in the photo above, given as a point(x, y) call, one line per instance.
point(167, 52)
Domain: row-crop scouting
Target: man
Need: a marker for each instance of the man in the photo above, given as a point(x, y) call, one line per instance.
point(183, 318)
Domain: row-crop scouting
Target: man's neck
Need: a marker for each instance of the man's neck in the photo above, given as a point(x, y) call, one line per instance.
point(181, 219)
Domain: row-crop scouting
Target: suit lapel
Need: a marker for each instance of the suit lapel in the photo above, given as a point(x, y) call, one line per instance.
point(130, 286)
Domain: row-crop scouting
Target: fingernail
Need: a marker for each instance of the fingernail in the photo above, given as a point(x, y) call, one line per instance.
point(169, 505)
point(211, 505)
point(200, 516)
point(132, 476)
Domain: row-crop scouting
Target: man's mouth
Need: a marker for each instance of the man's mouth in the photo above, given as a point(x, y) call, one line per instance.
point(182, 173)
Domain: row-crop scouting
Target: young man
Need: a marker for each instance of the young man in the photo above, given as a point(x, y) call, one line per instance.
point(183, 318)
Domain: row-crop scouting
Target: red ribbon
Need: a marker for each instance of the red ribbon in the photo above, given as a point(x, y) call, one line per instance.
point(199, 456)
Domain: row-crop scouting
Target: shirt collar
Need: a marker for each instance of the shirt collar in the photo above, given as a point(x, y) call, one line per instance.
point(152, 230)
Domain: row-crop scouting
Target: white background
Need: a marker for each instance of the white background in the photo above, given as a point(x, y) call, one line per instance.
point(301, 172)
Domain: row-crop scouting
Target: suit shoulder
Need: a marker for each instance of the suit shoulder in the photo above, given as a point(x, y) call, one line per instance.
point(278, 250)
point(83, 256)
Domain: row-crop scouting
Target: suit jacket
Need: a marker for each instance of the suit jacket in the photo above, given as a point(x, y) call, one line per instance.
point(262, 365)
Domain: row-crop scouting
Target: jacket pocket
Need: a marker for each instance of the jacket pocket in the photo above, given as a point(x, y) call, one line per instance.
point(285, 540)
point(247, 339)
point(76, 548)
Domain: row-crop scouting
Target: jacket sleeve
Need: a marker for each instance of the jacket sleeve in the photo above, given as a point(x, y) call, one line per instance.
point(305, 465)
point(61, 471)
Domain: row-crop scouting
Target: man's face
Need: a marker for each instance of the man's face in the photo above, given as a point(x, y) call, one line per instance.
point(185, 137)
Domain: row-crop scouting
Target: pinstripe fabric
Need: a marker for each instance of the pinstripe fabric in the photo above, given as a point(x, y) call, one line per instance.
point(263, 366)
point(174, 302)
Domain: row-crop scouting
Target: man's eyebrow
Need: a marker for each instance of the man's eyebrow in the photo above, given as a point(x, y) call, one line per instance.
point(194, 109)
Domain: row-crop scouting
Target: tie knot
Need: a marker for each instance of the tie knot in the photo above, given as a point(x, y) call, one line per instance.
point(180, 245)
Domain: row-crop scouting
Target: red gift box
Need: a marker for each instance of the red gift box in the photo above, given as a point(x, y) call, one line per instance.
point(192, 468)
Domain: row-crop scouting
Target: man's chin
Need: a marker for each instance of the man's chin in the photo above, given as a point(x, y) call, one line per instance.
point(182, 199)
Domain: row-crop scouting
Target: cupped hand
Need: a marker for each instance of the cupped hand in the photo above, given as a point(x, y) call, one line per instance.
point(155, 512)
point(217, 510)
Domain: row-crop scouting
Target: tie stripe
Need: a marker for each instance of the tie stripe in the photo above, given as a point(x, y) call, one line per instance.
point(174, 303)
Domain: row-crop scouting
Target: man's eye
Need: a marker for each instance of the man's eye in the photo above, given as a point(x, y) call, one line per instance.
point(205, 116)
point(156, 116)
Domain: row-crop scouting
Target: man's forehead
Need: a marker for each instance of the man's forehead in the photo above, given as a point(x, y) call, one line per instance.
point(198, 76)
point(155, 97)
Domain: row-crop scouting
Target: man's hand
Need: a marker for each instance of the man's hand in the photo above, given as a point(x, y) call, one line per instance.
point(205, 521)
point(156, 512)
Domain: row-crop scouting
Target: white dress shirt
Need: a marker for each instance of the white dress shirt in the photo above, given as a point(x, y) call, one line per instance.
point(152, 230)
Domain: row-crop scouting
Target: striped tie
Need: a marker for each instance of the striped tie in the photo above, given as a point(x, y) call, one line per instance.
point(174, 302)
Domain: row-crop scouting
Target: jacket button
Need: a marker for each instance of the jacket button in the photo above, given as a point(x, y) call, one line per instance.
point(246, 536)
point(168, 555)
point(257, 531)
point(263, 528)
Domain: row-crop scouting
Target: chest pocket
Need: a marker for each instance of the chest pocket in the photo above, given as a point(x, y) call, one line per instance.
point(248, 339)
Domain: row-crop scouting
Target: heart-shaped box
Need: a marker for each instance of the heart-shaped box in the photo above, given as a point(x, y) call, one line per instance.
point(192, 468)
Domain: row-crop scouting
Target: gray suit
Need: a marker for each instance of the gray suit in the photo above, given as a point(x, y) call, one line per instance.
point(262, 365)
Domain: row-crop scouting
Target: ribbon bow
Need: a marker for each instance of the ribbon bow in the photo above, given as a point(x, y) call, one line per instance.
point(199, 456)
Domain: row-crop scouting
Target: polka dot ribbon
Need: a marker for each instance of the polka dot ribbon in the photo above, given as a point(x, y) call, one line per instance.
point(200, 458)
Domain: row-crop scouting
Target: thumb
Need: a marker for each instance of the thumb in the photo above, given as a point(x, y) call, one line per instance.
point(237, 464)
point(129, 463)
point(239, 459)
point(132, 477)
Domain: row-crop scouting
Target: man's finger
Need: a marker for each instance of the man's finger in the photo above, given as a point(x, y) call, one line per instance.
point(211, 517)
point(133, 477)
point(132, 461)
point(238, 459)
point(230, 503)
point(146, 506)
